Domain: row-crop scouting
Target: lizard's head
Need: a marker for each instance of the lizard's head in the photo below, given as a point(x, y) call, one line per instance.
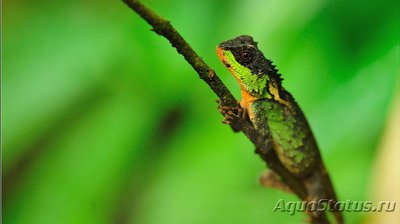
point(248, 65)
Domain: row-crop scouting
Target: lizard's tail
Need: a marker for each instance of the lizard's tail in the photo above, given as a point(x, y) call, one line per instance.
point(319, 187)
point(330, 194)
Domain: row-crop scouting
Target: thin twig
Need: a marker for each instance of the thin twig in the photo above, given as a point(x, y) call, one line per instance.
point(164, 28)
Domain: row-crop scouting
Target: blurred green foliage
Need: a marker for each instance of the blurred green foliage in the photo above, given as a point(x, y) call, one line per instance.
point(103, 122)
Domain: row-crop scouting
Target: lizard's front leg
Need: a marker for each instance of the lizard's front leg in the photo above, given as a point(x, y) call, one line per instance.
point(234, 116)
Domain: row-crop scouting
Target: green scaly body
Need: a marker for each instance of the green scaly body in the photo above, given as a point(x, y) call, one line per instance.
point(291, 136)
point(275, 114)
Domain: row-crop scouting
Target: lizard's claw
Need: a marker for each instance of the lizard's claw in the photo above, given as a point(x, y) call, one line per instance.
point(232, 115)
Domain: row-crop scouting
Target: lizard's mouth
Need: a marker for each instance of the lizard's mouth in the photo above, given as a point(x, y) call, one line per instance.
point(221, 56)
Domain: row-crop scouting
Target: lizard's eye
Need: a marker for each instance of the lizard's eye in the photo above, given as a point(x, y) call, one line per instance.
point(246, 56)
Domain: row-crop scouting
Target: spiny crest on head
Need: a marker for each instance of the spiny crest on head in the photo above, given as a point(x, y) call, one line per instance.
point(274, 71)
point(259, 64)
point(243, 40)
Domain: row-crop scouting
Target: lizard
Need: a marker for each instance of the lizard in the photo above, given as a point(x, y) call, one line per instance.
point(276, 115)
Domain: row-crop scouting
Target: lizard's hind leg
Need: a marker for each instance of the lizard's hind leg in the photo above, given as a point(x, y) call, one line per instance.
point(271, 179)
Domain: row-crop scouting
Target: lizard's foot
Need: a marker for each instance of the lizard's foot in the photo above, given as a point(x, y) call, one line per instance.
point(232, 115)
point(271, 179)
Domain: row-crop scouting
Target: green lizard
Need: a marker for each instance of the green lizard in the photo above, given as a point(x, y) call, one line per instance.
point(275, 114)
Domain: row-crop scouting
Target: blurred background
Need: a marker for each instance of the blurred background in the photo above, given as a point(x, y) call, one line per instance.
point(103, 122)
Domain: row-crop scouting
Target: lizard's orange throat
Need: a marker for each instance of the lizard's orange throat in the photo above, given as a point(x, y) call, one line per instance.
point(247, 98)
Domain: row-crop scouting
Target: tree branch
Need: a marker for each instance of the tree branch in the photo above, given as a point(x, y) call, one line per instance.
point(164, 28)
